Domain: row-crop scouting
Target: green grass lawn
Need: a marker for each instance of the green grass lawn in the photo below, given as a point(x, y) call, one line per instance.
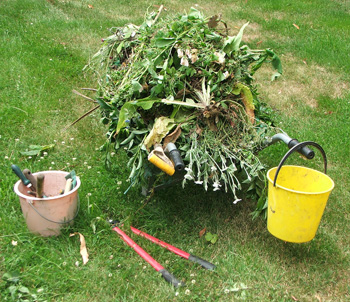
point(44, 46)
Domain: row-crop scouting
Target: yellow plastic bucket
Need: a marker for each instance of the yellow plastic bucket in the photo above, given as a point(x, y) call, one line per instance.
point(297, 197)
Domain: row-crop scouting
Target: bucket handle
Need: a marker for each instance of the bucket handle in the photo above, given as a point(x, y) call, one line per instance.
point(59, 222)
point(297, 147)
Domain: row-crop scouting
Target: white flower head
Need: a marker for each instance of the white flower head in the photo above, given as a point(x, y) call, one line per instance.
point(237, 200)
point(184, 61)
point(198, 182)
point(188, 176)
point(220, 56)
point(216, 185)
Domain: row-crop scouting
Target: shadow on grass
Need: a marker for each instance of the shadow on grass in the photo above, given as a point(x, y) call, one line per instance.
point(187, 211)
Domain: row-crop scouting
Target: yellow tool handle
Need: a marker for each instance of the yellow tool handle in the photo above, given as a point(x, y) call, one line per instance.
point(155, 160)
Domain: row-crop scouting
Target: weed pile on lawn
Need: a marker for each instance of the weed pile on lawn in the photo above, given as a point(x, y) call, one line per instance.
point(183, 79)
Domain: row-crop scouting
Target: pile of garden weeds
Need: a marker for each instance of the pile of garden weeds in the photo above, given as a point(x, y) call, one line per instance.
point(184, 79)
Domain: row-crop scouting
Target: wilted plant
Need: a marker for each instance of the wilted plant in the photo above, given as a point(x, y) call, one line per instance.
point(182, 79)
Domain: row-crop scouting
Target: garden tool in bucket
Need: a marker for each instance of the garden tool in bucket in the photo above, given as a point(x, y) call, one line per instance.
point(47, 215)
point(297, 197)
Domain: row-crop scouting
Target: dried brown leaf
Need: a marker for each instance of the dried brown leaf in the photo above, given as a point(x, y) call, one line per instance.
point(249, 108)
point(202, 232)
point(83, 250)
point(214, 21)
point(198, 130)
point(173, 136)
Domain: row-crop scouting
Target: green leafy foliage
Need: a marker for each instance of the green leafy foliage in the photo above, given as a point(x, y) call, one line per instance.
point(16, 290)
point(179, 69)
point(211, 238)
point(35, 150)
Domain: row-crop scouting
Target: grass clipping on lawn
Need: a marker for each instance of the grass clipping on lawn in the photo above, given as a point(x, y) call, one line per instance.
point(183, 79)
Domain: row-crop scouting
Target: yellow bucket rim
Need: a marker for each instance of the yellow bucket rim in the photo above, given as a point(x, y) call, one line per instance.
point(300, 192)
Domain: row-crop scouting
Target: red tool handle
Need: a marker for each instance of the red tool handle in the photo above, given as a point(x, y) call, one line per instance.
point(158, 267)
point(161, 243)
point(175, 250)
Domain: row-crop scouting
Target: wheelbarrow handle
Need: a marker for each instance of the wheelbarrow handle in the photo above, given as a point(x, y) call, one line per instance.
point(296, 148)
point(291, 142)
point(305, 151)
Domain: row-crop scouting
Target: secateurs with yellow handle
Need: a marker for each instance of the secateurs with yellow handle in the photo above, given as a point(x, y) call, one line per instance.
point(157, 266)
point(166, 164)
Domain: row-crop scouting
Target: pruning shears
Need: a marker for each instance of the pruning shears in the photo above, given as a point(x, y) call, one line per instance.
point(157, 266)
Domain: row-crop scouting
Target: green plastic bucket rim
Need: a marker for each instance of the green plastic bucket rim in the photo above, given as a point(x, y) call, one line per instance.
point(300, 192)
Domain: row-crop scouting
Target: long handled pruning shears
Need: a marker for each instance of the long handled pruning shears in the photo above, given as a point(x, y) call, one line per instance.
point(157, 266)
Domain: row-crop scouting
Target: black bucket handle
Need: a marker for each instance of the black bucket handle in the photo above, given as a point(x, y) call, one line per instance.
point(297, 147)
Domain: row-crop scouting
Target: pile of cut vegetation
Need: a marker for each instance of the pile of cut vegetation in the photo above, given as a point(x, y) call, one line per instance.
point(184, 79)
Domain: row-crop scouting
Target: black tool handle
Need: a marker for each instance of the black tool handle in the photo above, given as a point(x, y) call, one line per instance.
point(175, 156)
point(170, 278)
point(206, 264)
point(19, 173)
point(304, 150)
point(177, 160)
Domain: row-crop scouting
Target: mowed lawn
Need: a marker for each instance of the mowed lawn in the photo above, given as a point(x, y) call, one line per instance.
point(44, 48)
